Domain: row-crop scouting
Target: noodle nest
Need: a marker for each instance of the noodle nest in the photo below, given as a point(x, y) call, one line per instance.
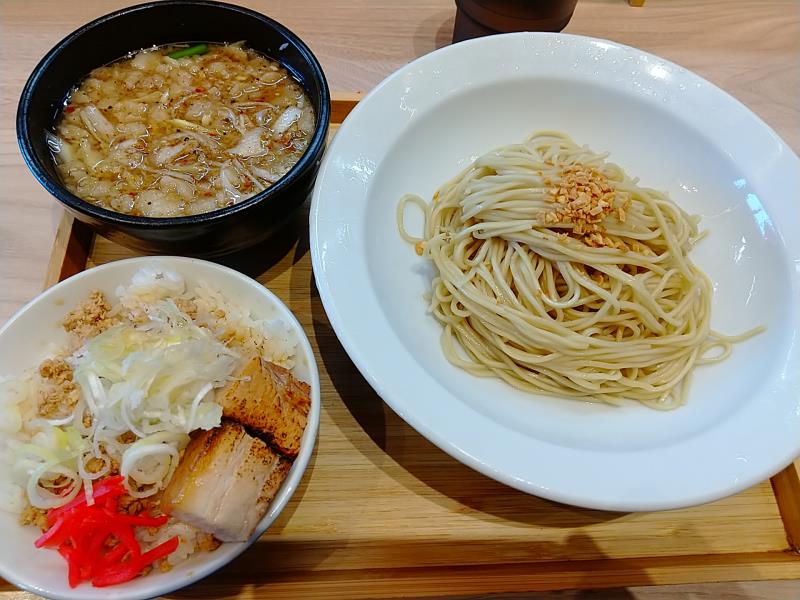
point(560, 275)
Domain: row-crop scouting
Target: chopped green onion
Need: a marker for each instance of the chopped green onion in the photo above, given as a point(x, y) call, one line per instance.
point(190, 51)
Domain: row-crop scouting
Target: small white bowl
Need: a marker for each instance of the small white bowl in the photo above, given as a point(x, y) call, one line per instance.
point(24, 342)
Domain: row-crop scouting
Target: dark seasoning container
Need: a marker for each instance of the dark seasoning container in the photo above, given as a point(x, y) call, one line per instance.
point(476, 18)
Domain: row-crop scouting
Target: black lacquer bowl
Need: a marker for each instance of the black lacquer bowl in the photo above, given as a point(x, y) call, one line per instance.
point(111, 37)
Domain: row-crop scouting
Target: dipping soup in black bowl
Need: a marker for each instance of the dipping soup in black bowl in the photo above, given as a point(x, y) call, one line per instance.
point(182, 127)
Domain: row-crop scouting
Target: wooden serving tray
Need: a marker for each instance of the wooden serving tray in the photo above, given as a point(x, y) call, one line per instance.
point(381, 512)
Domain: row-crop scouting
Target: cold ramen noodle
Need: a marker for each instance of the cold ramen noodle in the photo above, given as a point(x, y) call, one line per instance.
point(173, 131)
point(560, 274)
point(165, 427)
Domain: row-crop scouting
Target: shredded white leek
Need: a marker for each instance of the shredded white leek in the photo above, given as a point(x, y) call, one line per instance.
point(39, 496)
point(145, 384)
point(152, 377)
point(49, 462)
point(151, 462)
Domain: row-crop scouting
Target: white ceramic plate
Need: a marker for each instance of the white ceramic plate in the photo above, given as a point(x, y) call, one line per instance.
point(668, 126)
point(24, 342)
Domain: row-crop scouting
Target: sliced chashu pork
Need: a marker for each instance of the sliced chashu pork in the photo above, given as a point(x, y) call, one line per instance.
point(270, 402)
point(225, 482)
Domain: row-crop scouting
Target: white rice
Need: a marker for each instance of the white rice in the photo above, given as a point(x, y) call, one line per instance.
point(272, 338)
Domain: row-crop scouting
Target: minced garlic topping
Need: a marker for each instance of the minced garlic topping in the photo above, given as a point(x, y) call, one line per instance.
point(583, 197)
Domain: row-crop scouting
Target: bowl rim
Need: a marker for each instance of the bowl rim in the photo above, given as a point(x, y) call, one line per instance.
point(57, 189)
point(228, 551)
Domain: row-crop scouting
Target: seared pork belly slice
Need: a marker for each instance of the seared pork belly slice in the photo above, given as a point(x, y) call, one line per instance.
point(225, 482)
point(271, 402)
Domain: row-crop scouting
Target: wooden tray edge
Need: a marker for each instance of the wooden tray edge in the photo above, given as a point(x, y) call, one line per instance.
point(71, 249)
point(516, 578)
point(786, 487)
